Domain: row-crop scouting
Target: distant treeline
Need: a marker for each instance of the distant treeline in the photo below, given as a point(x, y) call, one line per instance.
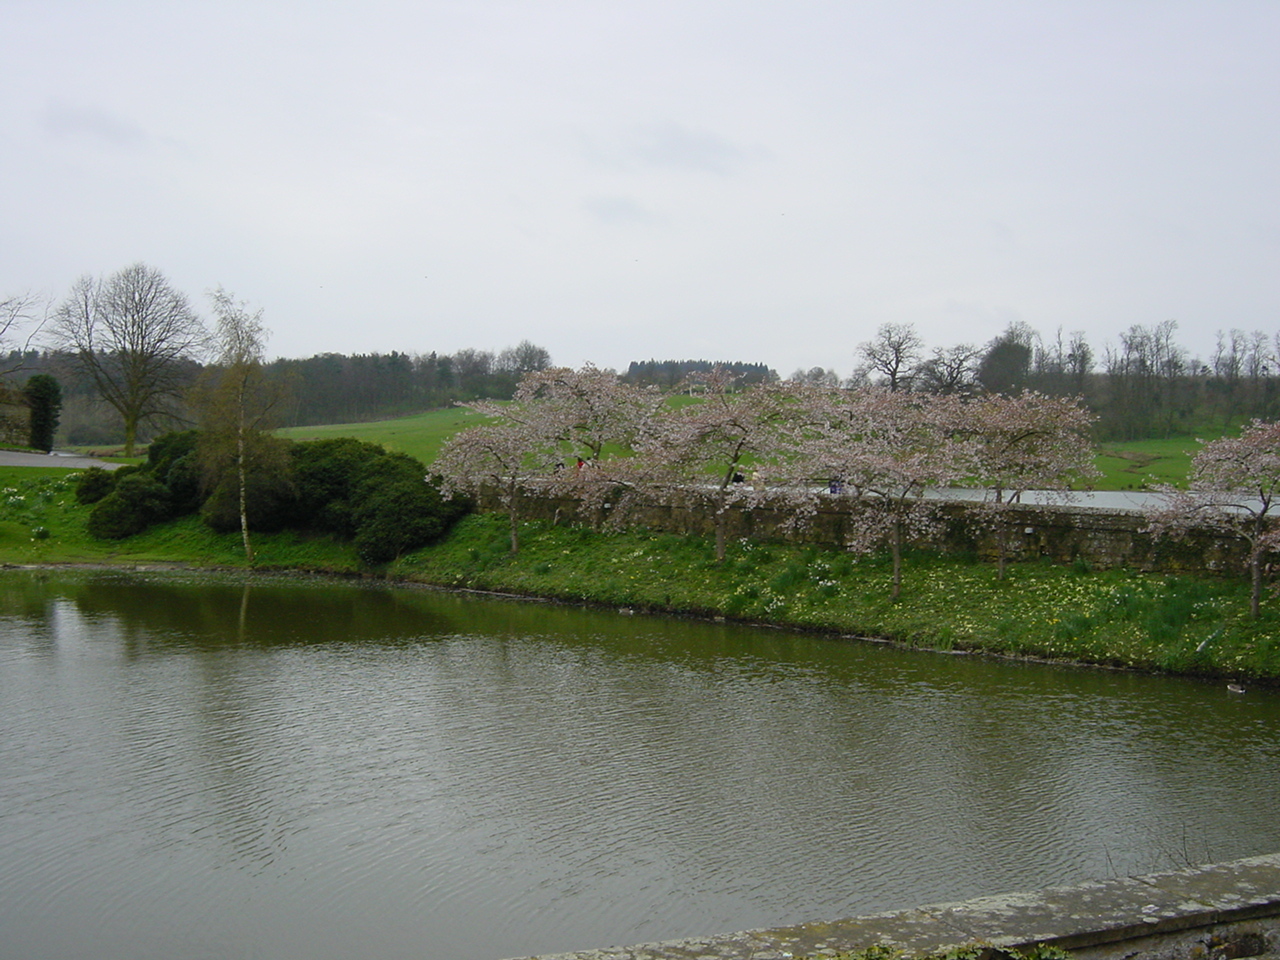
point(1145, 385)
point(342, 388)
point(668, 374)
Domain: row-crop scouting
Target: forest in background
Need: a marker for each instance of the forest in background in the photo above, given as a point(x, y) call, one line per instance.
point(1145, 385)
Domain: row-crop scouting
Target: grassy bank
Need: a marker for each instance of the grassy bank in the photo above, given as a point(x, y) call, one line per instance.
point(1112, 617)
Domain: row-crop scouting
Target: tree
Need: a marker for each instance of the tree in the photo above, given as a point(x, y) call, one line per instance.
point(1232, 487)
point(1027, 442)
point(44, 395)
point(893, 354)
point(22, 315)
point(584, 411)
point(130, 334)
point(235, 401)
point(497, 457)
point(1006, 364)
point(713, 442)
point(950, 370)
point(885, 449)
point(525, 357)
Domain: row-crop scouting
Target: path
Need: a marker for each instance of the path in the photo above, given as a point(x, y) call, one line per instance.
point(14, 458)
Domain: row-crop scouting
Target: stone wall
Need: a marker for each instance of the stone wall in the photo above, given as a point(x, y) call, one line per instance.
point(1224, 911)
point(1063, 534)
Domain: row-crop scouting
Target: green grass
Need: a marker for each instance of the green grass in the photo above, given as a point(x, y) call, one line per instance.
point(1178, 624)
point(1117, 617)
point(1125, 466)
point(1137, 464)
point(420, 435)
point(41, 523)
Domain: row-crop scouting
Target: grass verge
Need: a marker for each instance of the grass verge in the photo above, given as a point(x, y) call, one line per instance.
point(1115, 617)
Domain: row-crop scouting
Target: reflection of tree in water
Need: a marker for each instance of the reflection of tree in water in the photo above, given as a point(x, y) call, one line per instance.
point(259, 611)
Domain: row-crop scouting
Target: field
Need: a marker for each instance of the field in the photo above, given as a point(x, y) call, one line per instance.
point(1136, 464)
point(1125, 466)
point(420, 435)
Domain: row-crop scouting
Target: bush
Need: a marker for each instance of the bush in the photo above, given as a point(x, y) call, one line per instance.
point(401, 513)
point(44, 396)
point(380, 500)
point(326, 474)
point(269, 501)
point(164, 452)
point(136, 502)
point(94, 484)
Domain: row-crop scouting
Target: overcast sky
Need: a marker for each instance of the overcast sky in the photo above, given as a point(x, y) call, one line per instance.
point(616, 180)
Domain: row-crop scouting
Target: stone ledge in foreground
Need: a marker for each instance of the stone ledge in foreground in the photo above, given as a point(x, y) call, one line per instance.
point(1223, 911)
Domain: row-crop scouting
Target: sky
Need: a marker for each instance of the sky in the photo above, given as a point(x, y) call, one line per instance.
point(614, 180)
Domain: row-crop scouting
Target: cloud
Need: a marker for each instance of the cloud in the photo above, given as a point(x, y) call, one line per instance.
point(67, 120)
point(619, 210)
point(672, 146)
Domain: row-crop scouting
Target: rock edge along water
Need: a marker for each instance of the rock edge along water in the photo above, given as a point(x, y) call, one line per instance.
point(1220, 911)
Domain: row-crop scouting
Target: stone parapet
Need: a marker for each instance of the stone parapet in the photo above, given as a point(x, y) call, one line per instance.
point(1063, 534)
point(1221, 911)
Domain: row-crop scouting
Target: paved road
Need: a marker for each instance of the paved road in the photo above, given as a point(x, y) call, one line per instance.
point(12, 458)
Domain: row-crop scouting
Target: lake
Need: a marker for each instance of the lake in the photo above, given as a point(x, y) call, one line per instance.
point(218, 766)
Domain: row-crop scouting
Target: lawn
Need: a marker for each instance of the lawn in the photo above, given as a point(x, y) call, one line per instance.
point(1136, 464)
point(420, 435)
point(1130, 465)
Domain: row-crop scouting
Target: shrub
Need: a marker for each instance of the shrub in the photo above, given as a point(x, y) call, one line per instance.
point(136, 502)
point(94, 484)
point(401, 513)
point(164, 451)
point(326, 474)
point(269, 501)
point(44, 396)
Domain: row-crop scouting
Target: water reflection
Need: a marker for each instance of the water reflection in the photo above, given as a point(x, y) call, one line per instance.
point(272, 768)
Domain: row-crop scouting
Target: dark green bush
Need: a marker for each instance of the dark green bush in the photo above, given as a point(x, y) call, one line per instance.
point(398, 514)
point(269, 502)
point(381, 500)
point(44, 397)
point(164, 451)
point(136, 502)
point(183, 480)
point(94, 484)
point(326, 474)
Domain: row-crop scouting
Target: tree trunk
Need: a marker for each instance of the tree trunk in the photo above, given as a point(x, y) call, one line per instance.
point(1001, 532)
point(513, 511)
point(1255, 590)
point(244, 499)
point(896, 549)
point(242, 475)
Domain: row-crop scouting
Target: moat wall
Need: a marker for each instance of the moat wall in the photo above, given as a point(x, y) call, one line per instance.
point(1225, 911)
point(1062, 534)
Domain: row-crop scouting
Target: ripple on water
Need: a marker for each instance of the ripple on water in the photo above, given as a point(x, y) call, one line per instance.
point(514, 779)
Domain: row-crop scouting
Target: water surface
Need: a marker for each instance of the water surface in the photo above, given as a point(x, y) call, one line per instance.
point(204, 768)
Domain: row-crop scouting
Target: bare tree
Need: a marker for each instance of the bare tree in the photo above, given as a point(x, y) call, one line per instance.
point(949, 370)
point(129, 334)
point(524, 357)
point(21, 317)
point(893, 354)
